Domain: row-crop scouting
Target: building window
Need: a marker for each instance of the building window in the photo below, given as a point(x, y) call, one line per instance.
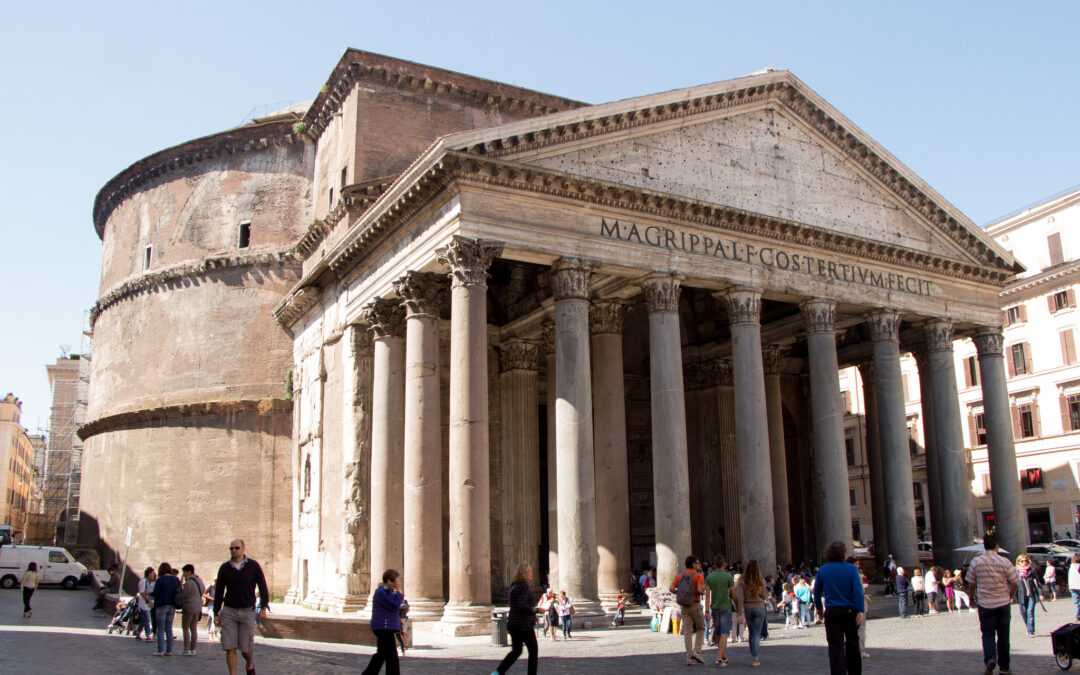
point(245, 235)
point(1026, 414)
point(1061, 300)
point(845, 401)
point(344, 173)
point(849, 446)
point(1068, 347)
point(148, 257)
point(1019, 359)
point(1053, 242)
point(1070, 413)
point(1015, 314)
point(331, 202)
point(856, 532)
point(971, 372)
point(307, 477)
point(853, 497)
point(1031, 479)
point(917, 490)
point(980, 429)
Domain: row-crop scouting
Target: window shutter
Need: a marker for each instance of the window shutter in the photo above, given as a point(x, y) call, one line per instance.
point(1028, 369)
point(1023, 312)
point(972, 430)
point(1006, 321)
point(967, 372)
point(1016, 422)
point(1036, 422)
point(904, 380)
point(1072, 297)
point(1066, 423)
point(1050, 303)
point(1068, 347)
point(1009, 360)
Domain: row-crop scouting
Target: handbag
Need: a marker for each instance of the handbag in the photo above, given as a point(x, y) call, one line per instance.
point(178, 597)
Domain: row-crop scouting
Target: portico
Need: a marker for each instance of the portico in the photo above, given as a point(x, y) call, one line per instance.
point(694, 255)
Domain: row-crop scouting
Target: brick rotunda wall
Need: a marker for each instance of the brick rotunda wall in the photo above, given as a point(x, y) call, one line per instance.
point(190, 427)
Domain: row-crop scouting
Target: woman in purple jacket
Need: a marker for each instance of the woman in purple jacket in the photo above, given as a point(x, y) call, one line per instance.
point(386, 624)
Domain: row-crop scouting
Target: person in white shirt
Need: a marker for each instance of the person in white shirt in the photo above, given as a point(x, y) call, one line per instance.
point(932, 589)
point(146, 586)
point(1074, 583)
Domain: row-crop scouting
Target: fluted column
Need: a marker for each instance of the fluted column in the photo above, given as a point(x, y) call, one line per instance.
point(884, 327)
point(423, 294)
point(1009, 521)
point(548, 328)
point(518, 392)
point(353, 557)
point(933, 467)
point(952, 458)
point(386, 321)
point(609, 424)
point(574, 434)
point(758, 533)
point(777, 455)
point(873, 461)
point(729, 462)
point(671, 481)
point(830, 464)
point(469, 606)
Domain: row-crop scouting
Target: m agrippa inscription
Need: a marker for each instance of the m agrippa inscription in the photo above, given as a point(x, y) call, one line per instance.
point(770, 257)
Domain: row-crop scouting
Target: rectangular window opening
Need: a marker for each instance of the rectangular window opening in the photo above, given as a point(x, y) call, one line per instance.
point(980, 429)
point(1060, 300)
point(1074, 412)
point(1031, 479)
point(853, 497)
point(344, 174)
point(849, 447)
point(331, 202)
point(1019, 358)
point(245, 235)
point(1027, 420)
point(148, 257)
point(971, 365)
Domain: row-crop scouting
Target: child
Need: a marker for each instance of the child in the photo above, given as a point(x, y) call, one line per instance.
point(787, 598)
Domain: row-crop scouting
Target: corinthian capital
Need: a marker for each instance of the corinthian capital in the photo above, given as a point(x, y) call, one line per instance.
point(359, 340)
point(744, 304)
point(606, 316)
point(884, 325)
point(547, 334)
point(989, 341)
point(518, 354)
point(770, 360)
point(939, 335)
point(819, 315)
point(469, 260)
point(661, 292)
point(421, 292)
point(570, 278)
point(385, 318)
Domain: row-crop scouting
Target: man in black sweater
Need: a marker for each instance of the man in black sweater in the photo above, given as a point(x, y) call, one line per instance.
point(235, 589)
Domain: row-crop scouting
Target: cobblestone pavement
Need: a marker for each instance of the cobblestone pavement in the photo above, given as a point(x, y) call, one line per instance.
point(65, 636)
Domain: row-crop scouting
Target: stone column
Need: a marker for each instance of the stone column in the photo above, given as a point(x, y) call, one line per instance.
point(1009, 521)
point(729, 462)
point(468, 611)
point(933, 468)
point(671, 481)
point(518, 391)
point(758, 535)
point(952, 457)
point(548, 328)
point(609, 424)
point(884, 327)
point(574, 434)
point(386, 321)
point(873, 461)
point(423, 295)
point(353, 559)
point(830, 464)
point(777, 455)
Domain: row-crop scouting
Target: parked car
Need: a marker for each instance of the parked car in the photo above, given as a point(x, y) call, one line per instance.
point(926, 551)
point(1044, 553)
point(55, 565)
point(1071, 544)
point(859, 550)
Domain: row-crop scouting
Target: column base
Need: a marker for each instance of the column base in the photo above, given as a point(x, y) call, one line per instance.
point(426, 609)
point(588, 608)
point(609, 602)
point(292, 597)
point(461, 619)
point(344, 604)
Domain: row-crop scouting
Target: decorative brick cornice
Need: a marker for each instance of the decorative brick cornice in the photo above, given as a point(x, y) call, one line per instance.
point(357, 66)
point(295, 304)
point(142, 416)
point(250, 138)
point(152, 281)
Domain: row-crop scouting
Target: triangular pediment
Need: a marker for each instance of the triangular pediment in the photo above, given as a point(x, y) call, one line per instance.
point(764, 144)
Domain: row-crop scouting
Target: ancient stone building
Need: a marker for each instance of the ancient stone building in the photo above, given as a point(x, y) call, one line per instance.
point(527, 329)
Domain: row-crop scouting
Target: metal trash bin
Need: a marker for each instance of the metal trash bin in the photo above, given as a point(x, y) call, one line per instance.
point(498, 628)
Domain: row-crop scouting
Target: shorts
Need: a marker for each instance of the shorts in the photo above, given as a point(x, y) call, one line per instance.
point(721, 621)
point(237, 629)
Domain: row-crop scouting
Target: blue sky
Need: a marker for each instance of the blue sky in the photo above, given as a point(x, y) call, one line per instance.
point(978, 98)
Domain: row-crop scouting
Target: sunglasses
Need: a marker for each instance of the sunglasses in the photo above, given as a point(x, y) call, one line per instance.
point(234, 548)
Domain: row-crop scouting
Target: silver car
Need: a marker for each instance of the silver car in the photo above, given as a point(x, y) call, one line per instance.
point(1044, 553)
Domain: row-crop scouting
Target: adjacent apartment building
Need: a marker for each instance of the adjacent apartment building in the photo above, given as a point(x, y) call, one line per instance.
point(16, 467)
point(1041, 322)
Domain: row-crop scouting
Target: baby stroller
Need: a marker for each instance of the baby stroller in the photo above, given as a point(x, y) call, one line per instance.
point(1066, 644)
point(125, 618)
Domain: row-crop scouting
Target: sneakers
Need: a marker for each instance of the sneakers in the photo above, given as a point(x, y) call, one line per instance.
point(160, 654)
point(990, 667)
point(754, 663)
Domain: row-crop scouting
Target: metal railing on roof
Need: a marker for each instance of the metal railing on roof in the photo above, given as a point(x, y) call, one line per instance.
point(1032, 205)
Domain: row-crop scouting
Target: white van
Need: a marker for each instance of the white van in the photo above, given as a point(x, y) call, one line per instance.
point(55, 565)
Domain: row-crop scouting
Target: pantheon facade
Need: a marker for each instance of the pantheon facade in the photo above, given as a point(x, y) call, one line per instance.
point(601, 337)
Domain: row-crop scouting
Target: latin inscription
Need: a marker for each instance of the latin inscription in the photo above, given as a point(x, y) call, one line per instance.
point(764, 256)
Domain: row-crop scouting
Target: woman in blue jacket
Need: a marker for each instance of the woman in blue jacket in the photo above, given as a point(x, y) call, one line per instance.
point(386, 624)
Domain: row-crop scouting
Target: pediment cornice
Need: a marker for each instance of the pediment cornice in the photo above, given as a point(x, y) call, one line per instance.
point(404, 201)
point(781, 90)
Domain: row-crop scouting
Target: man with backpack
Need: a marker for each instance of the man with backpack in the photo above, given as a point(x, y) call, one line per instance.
point(688, 588)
